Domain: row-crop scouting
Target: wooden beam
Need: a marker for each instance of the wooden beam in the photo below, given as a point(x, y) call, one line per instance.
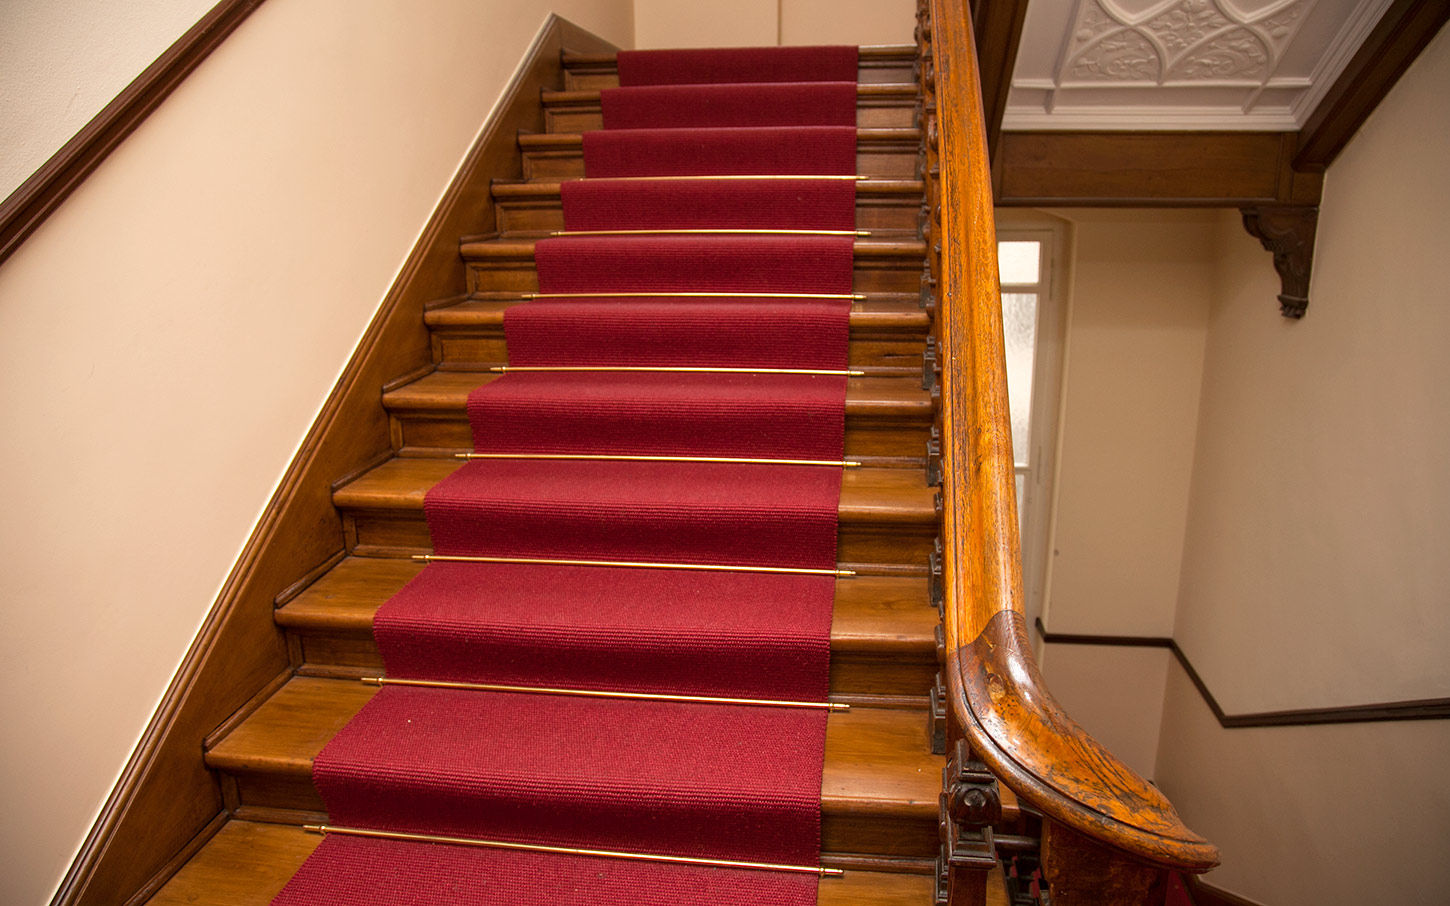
point(1402, 32)
point(1150, 169)
point(997, 25)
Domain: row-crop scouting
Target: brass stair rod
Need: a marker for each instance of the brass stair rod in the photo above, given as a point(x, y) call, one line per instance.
point(325, 829)
point(625, 457)
point(704, 231)
point(607, 693)
point(682, 369)
point(854, 177)
point(683, 294)
point(639, 564)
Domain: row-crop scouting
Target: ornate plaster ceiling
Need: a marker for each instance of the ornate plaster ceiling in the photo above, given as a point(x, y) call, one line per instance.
point(1181, 64)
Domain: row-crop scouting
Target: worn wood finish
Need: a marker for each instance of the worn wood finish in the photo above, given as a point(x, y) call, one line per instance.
point(166, 795)
point(878, 64)
point(890, 205)
point(1082, 872)
point(878, 791)
point(882, 627)
point(247, 863)
point(47, 188)
point(887, 418)
point(882, 153)
point(888, 332)
point(1397, 39)
point(995, 692)
point(1150, 169)
point(877, 106)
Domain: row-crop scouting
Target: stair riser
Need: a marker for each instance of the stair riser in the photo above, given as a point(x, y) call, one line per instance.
point(873, 274)
point(894, 215)
point(432, 434)
point(889, 161)
point(874, 546)
point(578, 77)
point(587, 117)
point(292, 798)
point(851, 673)
point(886, 353)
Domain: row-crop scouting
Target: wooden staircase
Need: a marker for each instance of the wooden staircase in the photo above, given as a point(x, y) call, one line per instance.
point(882, 783)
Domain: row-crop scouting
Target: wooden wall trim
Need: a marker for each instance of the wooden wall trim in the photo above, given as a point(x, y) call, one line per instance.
point(166, 797)
point(1150, 169)
point(45, 190)
point(998, 28)
point(1389, 711)
point(1205, 894)
point(1396, 40)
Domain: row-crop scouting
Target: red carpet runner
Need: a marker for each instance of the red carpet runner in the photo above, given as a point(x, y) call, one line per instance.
point(737, 782)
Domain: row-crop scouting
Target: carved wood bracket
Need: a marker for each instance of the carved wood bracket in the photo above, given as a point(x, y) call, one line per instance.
point(1287, 231)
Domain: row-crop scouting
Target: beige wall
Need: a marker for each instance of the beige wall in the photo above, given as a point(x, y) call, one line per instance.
point(61, 62)
point(168, 336)
point(1342, 815)
point(724, 23)
point(1314, 568)
point(1140, 296)
point(1315, 571)
point(1115, 693)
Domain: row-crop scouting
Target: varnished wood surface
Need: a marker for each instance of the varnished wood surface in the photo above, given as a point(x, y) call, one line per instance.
point(873, 496)
point(247, 864)
point(994, 689)
point(522, 249)
point(880, 312)
point(878, 791)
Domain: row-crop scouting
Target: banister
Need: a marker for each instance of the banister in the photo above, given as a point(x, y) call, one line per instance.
point(996, 694)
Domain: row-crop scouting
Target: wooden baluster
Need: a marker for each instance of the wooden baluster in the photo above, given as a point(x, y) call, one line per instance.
point(970, 805)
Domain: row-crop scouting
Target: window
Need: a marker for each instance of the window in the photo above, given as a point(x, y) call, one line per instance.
point(1030, 249)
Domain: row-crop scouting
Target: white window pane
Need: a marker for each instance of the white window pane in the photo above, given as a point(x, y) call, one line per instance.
point(1021, 508)
point(1017, 260)
point(1019, 327)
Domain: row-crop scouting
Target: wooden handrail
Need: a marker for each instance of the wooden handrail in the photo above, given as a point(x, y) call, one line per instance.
point(996, 695)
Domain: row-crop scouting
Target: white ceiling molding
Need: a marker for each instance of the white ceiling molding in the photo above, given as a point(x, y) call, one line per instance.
point(1182, 64)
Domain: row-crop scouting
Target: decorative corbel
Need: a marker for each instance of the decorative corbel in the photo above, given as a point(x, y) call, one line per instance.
point(1287, 231)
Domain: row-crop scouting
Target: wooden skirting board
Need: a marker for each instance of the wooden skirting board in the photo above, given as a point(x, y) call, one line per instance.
point(1419, 709)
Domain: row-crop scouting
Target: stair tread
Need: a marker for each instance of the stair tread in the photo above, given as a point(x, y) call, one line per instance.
point(868, 53)
point(246, 863)
point(447, 391)
point(520, 248)
point(905, 91)
point(869, 313)
point(865, 135)
point(868, 495)
point(872, 614)
point(509, 189)
point(876, 763)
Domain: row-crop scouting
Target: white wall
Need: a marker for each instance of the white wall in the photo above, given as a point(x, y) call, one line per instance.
point(743, 23)
point(168, 336)
point(61, 63)
point(1314, 567)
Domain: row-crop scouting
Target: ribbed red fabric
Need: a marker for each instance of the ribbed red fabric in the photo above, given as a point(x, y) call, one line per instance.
point(742, 635)
point(755, 104)
point(362, 872)
point(743, 264)
point(781, 204)
point(738, 64)
point(737, 783)
point(753, 151)
point(661, 511)
point(760, 333)
point(780, 416)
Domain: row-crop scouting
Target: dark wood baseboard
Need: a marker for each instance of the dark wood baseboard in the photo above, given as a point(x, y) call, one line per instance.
point(166, 798)
point(1418, 709)
point(27, 207)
